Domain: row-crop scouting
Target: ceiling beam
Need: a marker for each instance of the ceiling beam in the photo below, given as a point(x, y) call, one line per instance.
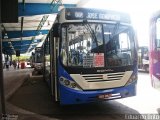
point(39, 8)
point(22, 19)
point(43, 20)
point(55, 4)
point(18, 40)
point(26, 33)
point(23, 2)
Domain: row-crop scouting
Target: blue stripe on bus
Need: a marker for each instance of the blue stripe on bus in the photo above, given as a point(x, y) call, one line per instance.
point(71, 96)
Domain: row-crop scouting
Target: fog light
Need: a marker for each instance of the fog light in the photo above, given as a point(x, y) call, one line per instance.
point(69, 83)
point(73, 85)
point(66, 82)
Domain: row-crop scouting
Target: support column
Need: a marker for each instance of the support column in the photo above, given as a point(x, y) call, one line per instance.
point(2, 97)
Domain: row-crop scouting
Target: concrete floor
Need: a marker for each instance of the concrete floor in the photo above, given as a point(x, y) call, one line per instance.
point(34, 96)
point(147, 100)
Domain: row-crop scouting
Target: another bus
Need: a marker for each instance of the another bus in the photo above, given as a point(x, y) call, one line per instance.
point(32, 59)
point(143, 58)
point(36, 60)
point(155, 50)
point(91, 55)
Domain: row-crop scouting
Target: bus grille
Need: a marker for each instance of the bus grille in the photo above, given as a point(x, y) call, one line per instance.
point(103, 77)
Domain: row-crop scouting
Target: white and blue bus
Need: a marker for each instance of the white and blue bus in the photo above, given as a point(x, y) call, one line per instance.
point(36, 60)
point(91, 55)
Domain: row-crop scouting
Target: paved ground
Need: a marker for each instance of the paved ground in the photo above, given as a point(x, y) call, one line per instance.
point(40, 101)
point(13, 79)
point(147, 100)
point(33, 101)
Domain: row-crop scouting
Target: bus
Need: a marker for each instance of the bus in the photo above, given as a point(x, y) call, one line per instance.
point(90, 55)
point(36, 60)
point(32, 59)
point(143, 58)
point(155, 50)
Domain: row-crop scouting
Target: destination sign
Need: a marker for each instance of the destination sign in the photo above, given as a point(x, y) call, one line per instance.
point(93, 14)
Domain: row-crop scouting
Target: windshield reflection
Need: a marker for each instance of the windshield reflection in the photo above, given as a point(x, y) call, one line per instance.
point(96, 45)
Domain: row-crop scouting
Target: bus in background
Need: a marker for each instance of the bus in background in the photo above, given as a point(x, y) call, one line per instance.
point(32, 59)
point(155, 50)
point(91, 55)
point(36, 60)
point(143, 58)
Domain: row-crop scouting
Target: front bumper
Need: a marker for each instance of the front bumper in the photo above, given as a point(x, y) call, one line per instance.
point(70, 96)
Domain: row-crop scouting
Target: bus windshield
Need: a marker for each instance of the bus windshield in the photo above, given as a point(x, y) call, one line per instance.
point(96, 45)
point(38, 57)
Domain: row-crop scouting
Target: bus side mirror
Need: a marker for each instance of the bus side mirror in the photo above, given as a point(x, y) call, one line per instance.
point(56, 30)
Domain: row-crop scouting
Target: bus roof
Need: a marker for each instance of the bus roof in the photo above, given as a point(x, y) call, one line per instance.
point(81, 14)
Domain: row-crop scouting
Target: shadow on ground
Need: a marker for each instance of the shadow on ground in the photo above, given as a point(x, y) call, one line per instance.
point(35, 96)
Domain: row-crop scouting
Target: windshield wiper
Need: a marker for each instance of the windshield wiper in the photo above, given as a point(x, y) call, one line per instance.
point(88, 27)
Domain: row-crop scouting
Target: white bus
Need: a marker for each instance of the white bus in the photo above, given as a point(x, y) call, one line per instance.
point(92, 55)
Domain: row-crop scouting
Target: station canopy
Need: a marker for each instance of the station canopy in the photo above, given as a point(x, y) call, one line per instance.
point(35, 19)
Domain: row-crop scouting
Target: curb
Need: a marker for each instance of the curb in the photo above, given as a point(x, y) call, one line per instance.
point(22, 113)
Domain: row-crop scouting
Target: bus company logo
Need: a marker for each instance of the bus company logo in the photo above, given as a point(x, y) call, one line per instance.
point(9, 117)
point(105, 70)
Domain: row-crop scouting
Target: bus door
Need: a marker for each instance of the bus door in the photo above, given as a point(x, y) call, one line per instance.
point(54, 65)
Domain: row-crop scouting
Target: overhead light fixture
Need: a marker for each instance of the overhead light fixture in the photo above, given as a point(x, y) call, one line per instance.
point(5, 36)
point(107, 33)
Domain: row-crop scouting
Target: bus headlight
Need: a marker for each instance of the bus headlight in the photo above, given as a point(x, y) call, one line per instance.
point(132, 79)
point(69, 83)
point(73, 85)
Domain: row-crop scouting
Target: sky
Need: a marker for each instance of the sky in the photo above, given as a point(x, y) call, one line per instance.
point(140, 11)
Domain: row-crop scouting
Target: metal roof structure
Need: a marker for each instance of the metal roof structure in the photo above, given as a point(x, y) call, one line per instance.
point(35, 19)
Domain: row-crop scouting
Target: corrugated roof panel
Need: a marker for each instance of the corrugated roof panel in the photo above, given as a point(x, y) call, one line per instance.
point(31, 23)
